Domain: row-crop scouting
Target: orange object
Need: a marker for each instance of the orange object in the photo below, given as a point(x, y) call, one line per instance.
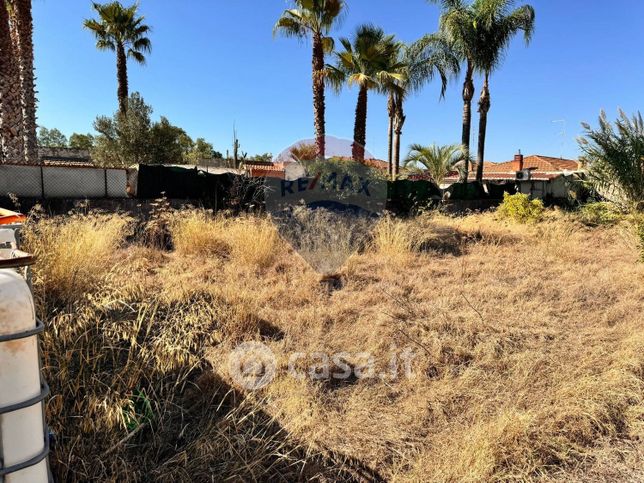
point(9, 217)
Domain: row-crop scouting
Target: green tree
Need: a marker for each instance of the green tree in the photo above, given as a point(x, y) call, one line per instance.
point(438, 161)
point(168, 144)
point(314, 19)
point(496, 24)
point(266, 157)
point(124, 139)
point(614, 157)
point(369, 61)
point(51, 138)
point(201, 150)
point(418, 64)
point(458, 23)
point(121, 30)
point(81, 141)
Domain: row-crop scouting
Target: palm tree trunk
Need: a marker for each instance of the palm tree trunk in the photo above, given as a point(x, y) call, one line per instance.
point(23, 23)
point(360, 129)
point(11, 141)
point(399, 121)
point(121, 75)
point(390, 134)
point(318, 95)
point(484, 107)
point(468, 95)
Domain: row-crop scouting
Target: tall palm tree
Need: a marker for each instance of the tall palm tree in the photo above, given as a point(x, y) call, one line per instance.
point(497, 23)
point(21, 31)
point(458, 23)
point(11, 125)
point(121, 30)
point(439, 161)
point(418, 63)
point(314, 18)
point(366, 62)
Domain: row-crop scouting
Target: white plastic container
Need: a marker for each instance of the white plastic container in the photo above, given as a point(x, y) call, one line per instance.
point(22, 431)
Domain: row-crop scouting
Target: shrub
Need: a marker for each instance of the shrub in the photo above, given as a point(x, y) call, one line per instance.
point(521, 208)
point(599, 213)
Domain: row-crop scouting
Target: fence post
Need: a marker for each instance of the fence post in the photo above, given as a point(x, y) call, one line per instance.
point(105, 173)
point(42, 182)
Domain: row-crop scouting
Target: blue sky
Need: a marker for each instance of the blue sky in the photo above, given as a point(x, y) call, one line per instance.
point(215, 63)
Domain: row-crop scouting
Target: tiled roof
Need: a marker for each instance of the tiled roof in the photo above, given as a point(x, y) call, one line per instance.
point(540, 163)
point(544, 168)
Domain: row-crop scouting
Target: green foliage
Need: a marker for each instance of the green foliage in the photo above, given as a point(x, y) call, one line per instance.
point(138, 411)
point(168, 144)
point(131, 138)
point(124, 139)
point(521, 208)
point(369, 61)
point(266, 157)
point(120, 27)
point(316, 18)
point(438, 161)
point(81, 141)
point(51, 138)
point(600, 213)
point(480, 31)
point(200, 150)
point(614, 157)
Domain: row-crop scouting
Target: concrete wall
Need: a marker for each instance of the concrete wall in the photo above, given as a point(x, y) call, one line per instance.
point(555, 188)
point(62, 182)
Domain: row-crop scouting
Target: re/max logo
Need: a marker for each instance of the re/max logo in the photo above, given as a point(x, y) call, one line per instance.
point(332, 182)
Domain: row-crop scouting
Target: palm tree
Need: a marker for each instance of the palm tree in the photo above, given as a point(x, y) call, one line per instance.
point(418, 64)
point(370, 62)
point(458, 23)
point(11, 141)
point(497, 23)
point(439, 161)
point(614, 158)
point(314, 18)
point(21, 31)
point(120, 30)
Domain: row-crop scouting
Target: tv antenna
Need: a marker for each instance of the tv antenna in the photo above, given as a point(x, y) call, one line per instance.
point(562, 133)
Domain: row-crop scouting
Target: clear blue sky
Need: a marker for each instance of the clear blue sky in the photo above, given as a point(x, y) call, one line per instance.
point(215, 62)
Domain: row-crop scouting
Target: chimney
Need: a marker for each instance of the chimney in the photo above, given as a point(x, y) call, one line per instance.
point(518, 161)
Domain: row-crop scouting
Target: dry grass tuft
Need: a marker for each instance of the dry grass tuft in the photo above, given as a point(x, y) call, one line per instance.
point(395, 239)
point(75, 253)
point(195, 232)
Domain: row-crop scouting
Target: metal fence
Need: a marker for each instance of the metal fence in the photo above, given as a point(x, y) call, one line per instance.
point(42, 181)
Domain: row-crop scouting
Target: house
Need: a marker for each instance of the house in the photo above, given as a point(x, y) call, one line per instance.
point(289, 169)
point(536, 175)
point(265, 169)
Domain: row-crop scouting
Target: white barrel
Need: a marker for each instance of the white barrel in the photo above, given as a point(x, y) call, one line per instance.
point(22, 432)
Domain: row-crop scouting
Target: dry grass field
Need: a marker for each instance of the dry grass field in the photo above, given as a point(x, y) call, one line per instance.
point(528, 348)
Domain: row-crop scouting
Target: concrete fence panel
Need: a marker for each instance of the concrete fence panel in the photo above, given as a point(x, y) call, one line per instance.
point(22, 181)
point(116, 183)
point(62, 182)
